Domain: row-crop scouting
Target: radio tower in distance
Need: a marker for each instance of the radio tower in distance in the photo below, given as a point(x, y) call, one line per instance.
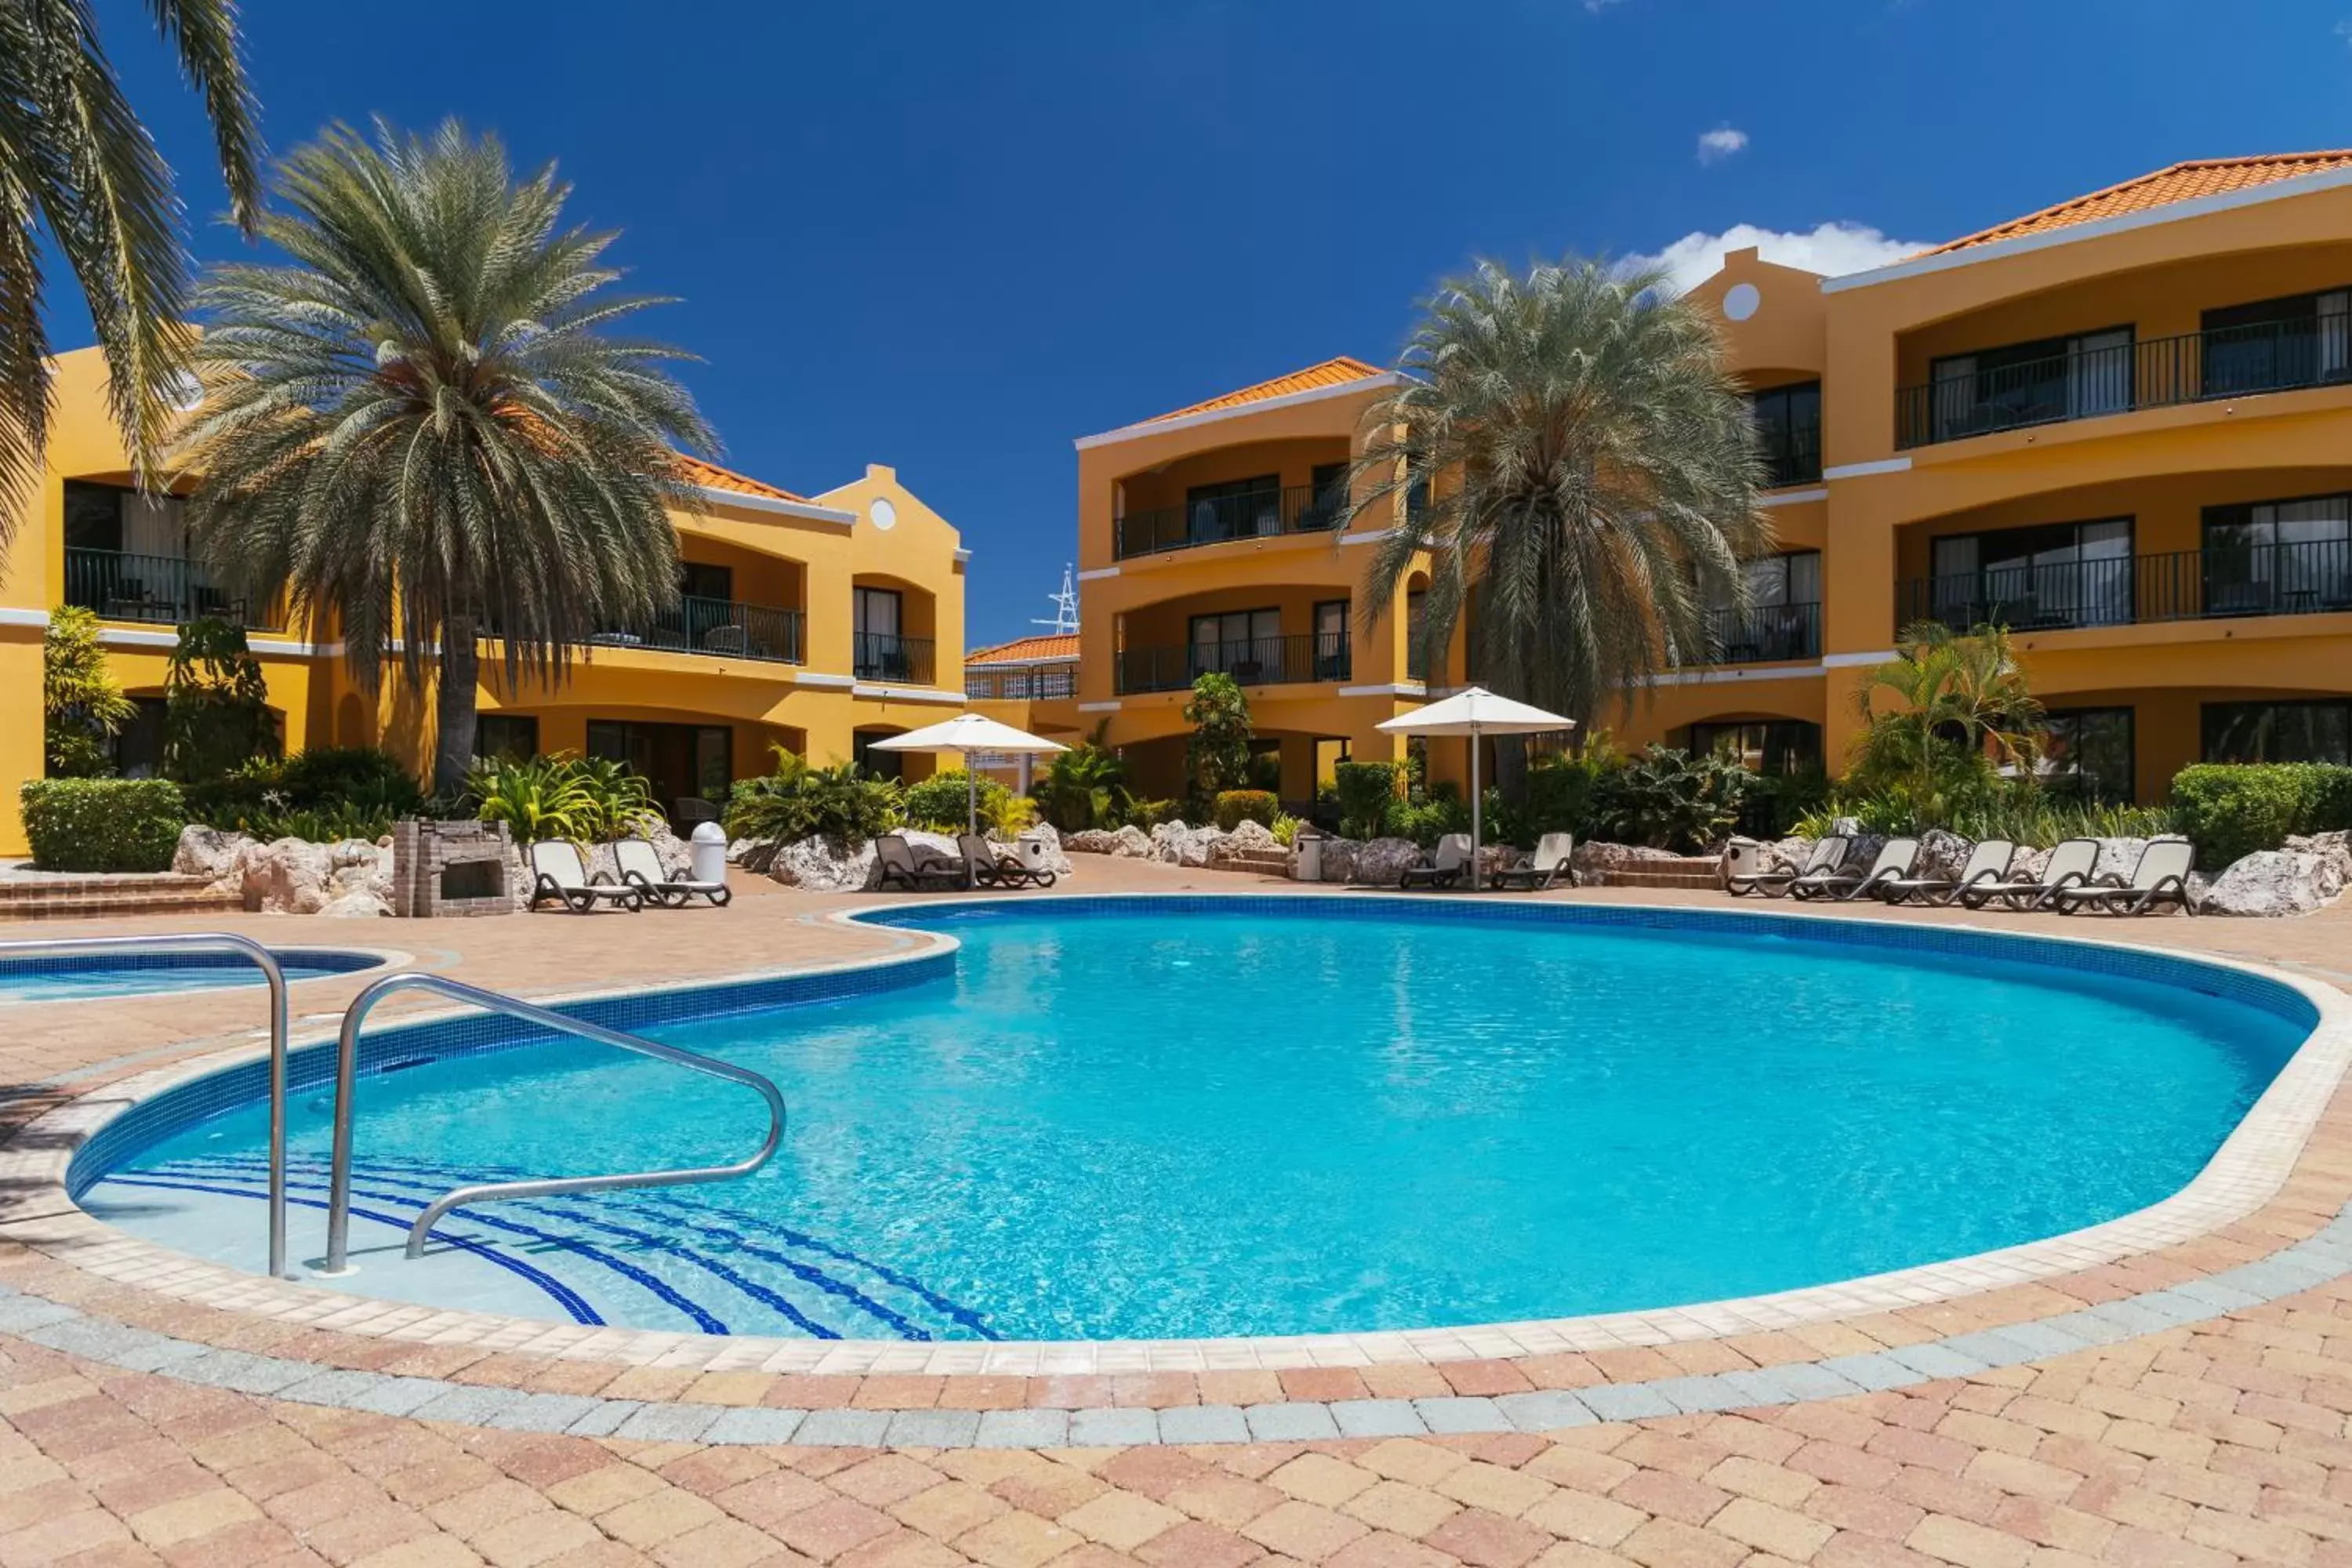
point(1066, 607)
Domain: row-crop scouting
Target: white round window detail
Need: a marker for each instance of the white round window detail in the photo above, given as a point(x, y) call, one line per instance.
point(882, 514)
point(1739, 301)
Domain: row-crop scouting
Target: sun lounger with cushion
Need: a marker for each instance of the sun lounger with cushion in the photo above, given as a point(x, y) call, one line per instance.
point(1453, 860)
point(1827, 854)
point(641, 867)
point(556, 873)
point(1897, 859)
point(2071, 865)
point(903, 867)
point(1986, 862)
point(1549, 863)
point(2160, 878)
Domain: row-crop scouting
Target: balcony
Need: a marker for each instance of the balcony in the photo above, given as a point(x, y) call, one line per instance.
point(1798, 460)
point(1765, 634)
point(1221, 519)
point(163, 590)
point(1043, 683)
point(1253, 661)
point(2158, 372)
point(721, 628)
point(2307, 577)
point(885, 656)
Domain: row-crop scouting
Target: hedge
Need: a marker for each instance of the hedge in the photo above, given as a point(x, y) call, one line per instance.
point(103, 825)
point(1235, 807)
point(2232, 809)
point(1366, 792)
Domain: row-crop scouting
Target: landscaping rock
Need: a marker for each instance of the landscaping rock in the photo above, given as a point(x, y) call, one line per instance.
point(361, 906)
point(826, 866)
point(1786, 853)
point(1590, 858)
point(2335, 848)
point(2273, 882)
point(1942, 854)
point(289, 876)
point(1178, 845)
point(1382, 862)
point(1249, 838)
point(1092, 841)
point(1339, 859)
point(209, 853)
point(1131, 843)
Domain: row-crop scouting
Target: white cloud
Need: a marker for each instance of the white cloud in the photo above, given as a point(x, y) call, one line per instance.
point(1719, 143)
point(1833, 249)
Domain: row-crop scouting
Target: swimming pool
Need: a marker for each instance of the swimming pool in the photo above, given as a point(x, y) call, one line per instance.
point(1186, 1118)
point(135, 974)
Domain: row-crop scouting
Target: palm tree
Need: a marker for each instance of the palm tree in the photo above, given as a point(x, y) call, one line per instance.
point(1940, 716)
point(75, 162)
point(1570, 451)
point(421, 428)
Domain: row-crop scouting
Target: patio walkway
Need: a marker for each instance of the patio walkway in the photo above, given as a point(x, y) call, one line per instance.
point(2210, 1443)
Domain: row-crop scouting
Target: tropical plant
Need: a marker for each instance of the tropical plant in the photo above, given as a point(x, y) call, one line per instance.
point(589, 800)
point(1149, 813)
point(1285, 828)
point(1573, 455)
point(1235, 807)
point(798, 801)
point(82, 705)
point(421, 429)
point(78, 166)
point(216, 713)
point(1217, 753)
point(1085, 786)
point(1008, 816)
point(1669, 799)
point(943, 802)
point(1368, 792)
point(620, 801)
point(1942, 719)
point(319, 793)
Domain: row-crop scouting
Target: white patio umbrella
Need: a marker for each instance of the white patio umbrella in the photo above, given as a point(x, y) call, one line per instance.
point(964, 735)
point(1474, 712)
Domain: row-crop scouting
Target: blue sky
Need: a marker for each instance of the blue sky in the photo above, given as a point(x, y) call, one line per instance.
point(954, 237)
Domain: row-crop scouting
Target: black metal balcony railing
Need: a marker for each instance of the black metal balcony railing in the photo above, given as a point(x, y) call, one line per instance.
point(1764, 634)
point(1042, 682)
point(2306, 577)
point(883, 655)
point(168, 590)
point(1252, 661)
point(1298, 509)
point(719, 627)
point(1796, 459)
point(2155, 372)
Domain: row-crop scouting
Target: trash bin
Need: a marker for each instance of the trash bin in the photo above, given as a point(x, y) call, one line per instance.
point(709, 852)
point(1309, 844)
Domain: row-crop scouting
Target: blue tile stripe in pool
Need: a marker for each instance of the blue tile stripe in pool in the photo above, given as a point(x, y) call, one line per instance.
point(312, 1067)
point(311, 962)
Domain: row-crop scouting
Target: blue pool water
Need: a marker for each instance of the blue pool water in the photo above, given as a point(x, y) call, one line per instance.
point(75, 979)
point(1147, 1123)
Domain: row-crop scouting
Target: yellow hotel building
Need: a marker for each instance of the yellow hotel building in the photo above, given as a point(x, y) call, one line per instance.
point(2121, 426)
point(821, 623)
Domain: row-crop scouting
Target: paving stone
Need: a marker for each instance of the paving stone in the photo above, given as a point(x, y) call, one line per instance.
point(1030, 1429)
point(1204, 1424)
point(1297, 1421)
point(1374, 1418)
point(843, 1428)
point(605, 1418)
point(243, 1372)
point(1462, 1415)
point(1545, 1410)
point(754, 1425)
point(671, 1422)
point(1932, 1360)
point(483, 1407)
point(938, 1428)
point(1698, 1393)
point(1625, 1401)
point(1874, 1371)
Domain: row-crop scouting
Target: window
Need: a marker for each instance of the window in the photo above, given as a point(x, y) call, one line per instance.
point(1235, 509)
point(139, 744)
point(678, 762)
point(2278, 557)
point(1774, 747)
point(2090, 748)
point(2064, 574)
point(701, 580)
point(1327, 497)
point(1244, 644)
point(2317, 731)
point(880, 764)
point(510, 737)
point(2299, 340)
point(878, 651)
point(113, 518)
point(1266, 765)
point(1331, 640)
point(2030, 383)
point(1416, 629)
point(1785, 592)
point(1789, 432)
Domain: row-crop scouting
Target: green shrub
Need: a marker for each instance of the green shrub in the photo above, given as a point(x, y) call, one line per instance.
point(1217, 753)
point(2232, 809)
point(103, 824)
point(1285, 828)
point(1085, 788)
point(798, 802)
point(82, 705)
point(1235, 807)
point(1149, 813)
point(1428, 820)
point(216, 713)
point(943, 802)
point(1368, 792)
point(590, 800)
point(1669, 799)
point(322, 793)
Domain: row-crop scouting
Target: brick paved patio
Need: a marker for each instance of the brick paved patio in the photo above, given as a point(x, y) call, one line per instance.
point(2216, 1443)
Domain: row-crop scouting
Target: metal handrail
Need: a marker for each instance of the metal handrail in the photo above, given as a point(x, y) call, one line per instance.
point(339, 1196)
point(272, 972)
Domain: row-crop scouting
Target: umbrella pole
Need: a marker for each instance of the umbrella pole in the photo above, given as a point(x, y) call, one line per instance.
point(1474, 809)
point(971, 815)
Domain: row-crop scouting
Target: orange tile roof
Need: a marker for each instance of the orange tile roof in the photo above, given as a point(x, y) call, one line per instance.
point(710, 476)
point(1052, 646)
point(1330, 372)
point(2180, 183)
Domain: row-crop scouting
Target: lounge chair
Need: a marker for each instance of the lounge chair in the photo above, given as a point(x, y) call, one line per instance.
point(1828, 855)
point(920, 873)
point(1987, 862)
point(2160, 878)
point(1548, 864)
point(642, 870)
point(1897, 859)
point(557, 873)
point(2071, 865)
point(1453, 861)
point(994, 869)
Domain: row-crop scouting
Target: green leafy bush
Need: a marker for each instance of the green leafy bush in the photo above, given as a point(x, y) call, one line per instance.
point(1149, 813)
point(322, 794)
point(943, 802)
point(1285, 828)
point(82, 705)
point(1085, 788)
point(589, 800)
point(1669, 799)
point(103, 824)
point(216, 713)
point(1427, 820)
point(2232, 809)
point(1235, 807)
point(798, 801)
point(1217, 753)
point(1368, 792)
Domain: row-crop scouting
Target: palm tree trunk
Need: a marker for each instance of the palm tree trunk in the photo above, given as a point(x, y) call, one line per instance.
point(1511, 767)
point(454, 703)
